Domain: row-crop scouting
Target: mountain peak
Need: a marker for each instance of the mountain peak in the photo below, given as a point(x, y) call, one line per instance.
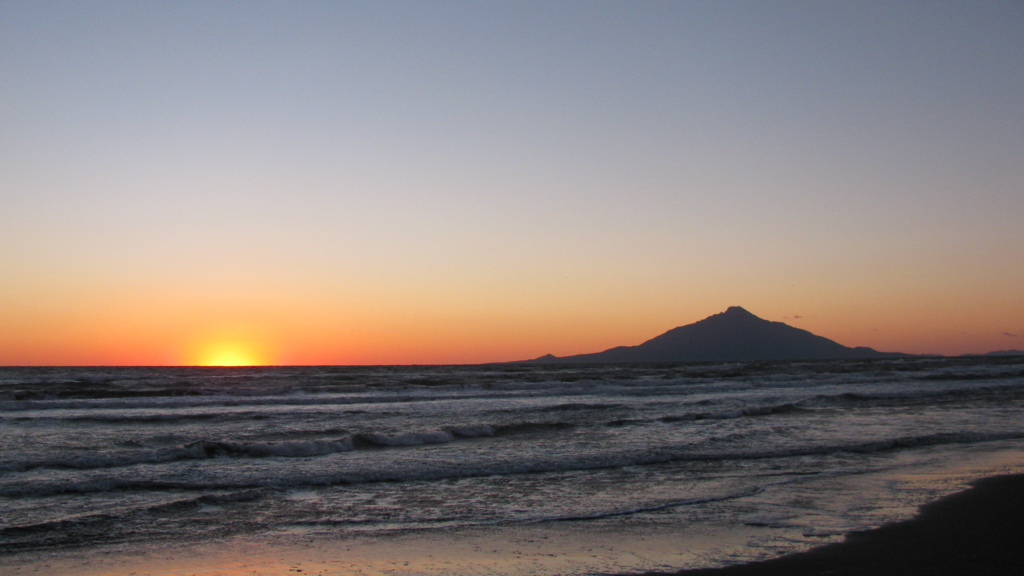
point(733, 335)
point(734, 315)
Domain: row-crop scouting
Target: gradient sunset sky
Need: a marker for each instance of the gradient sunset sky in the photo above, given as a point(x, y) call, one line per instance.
point(463, 182)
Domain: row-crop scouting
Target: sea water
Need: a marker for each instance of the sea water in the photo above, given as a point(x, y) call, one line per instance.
point(779, 455)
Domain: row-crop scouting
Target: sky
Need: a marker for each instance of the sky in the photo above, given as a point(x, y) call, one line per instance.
point(464, 182)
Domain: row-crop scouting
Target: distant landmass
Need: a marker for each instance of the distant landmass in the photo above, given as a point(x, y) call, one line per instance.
point(731, 335)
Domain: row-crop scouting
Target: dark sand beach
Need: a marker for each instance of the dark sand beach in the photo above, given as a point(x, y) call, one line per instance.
point(977, 531)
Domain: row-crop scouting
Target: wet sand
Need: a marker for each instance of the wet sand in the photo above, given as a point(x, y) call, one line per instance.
point(975, 532)
point(558, 549)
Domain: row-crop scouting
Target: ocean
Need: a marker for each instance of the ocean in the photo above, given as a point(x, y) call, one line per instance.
point(506, 468)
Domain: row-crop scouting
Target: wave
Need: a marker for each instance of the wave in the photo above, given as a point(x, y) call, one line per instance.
point(649, 508)
point(446, 521)
point(128, 418)
point(917, 395)
point(183, 402)
point(573, 406)
point(897, 386)
point(817, 402)
point(286, 449)
point(365, 395)
point(341, 440)
point(767, 410)
point(114, 526)
point(429, 471)
point(191, 451)
point(174, 408)
point(205, 449)
point(250, 495)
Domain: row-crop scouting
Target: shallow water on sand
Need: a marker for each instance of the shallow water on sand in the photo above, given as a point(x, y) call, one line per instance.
point(483, 469)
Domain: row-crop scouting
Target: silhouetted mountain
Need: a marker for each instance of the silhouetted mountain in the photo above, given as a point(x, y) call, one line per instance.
point(1000, 353)
point(732, 335)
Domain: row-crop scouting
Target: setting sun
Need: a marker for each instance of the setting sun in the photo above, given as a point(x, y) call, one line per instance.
point(230, 355)
point(231, 347)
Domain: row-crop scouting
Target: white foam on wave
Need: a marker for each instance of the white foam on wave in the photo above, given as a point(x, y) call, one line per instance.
point(407, 438)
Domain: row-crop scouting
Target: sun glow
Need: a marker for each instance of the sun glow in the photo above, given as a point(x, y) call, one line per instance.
point(230, 351)
point(228, 355)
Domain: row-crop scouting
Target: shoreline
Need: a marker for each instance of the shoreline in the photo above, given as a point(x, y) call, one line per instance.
point(976, 531)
